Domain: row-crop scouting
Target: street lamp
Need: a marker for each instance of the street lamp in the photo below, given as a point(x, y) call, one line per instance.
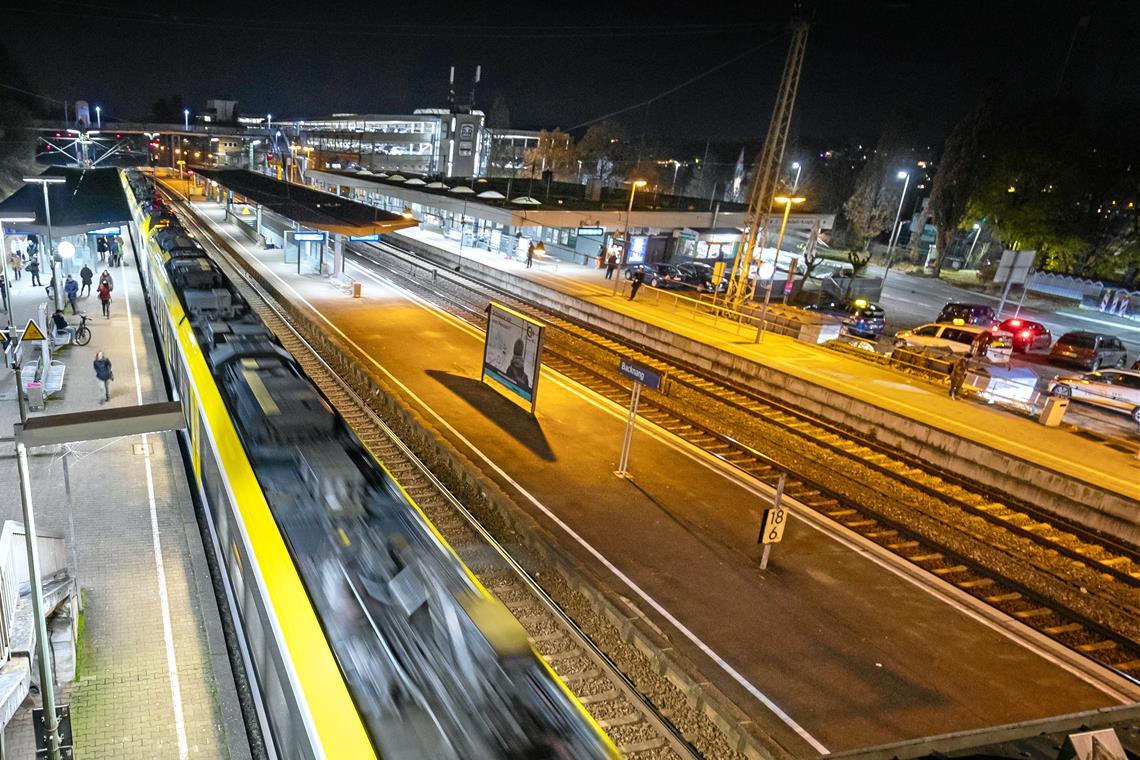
point(977, 234)
point(787, 203)
point(268, 122)
point(895, 231)
point(796, 184)
point(99, 116)
point(44, 181)
point(625, 243)
point(186, 118)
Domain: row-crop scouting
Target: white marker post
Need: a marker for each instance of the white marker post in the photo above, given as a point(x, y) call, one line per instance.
point(640, 376)
point(772, 523)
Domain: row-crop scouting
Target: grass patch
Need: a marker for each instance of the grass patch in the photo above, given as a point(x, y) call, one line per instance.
point(80, 644)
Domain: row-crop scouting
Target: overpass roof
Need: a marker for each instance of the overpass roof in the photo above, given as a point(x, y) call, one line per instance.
point(306, 206)
point(87, 200)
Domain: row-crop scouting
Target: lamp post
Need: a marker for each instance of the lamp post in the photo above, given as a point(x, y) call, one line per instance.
point(970, 255)
point(44, 181)
point(99, 117)
point(787, 203)
point(796, 183)
point(625, 243)
point(268, 122)
point(905, 177)
point(186, 118)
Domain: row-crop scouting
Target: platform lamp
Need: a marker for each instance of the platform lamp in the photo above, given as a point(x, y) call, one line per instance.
point(44, 181)
point(625, 242)
point(787, 203)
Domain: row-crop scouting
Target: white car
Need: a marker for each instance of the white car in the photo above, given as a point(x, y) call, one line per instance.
point(1115, 389)
point(995, 345)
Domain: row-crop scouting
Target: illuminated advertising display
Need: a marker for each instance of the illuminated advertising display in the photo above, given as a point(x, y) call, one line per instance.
point(512, 354)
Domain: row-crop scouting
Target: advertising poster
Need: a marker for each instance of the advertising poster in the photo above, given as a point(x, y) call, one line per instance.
point(637, 250)
point(512, 355)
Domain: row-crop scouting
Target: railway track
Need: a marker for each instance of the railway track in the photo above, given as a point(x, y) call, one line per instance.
point(951, 537)
point(638, 729)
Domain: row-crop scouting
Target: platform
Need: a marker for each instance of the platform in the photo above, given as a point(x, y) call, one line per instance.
point(1060, 450)
point(153, 674)
point(836, 646)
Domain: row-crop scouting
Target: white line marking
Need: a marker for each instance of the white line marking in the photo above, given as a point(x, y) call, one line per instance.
point(163, 596)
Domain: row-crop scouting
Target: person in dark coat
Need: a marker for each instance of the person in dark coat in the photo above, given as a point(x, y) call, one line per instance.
point(104, 374)
point(530, 256)
point(957, 377)
point(104, 292)
point(611, 265)
point(101, 247)
point(34, 271)
point(71, 290)
point(86, 275)
point(635, 285)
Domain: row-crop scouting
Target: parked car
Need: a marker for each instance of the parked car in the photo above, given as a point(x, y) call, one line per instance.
point(861, 318)
point(664, 276)
point(1114, 389)
point(1089, 350)
point(700, 275)
point(995, 345)
point(1027, 334)
point(967, 314)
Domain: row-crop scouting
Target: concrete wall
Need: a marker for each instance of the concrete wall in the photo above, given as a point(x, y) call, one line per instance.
point(1028, 481)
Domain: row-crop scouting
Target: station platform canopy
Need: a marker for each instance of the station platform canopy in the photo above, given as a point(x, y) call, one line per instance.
point(88, 200)
point(311, 208)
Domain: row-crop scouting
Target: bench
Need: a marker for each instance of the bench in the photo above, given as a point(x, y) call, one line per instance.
point(61, 338)
point(28, 374)
point(53, 378)
point(344, 283)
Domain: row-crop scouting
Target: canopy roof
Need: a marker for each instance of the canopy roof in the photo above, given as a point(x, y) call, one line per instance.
point(311, 208)
point(87, 200)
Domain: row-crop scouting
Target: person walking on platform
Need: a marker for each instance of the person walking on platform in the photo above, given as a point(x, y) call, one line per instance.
point(34, 271)
point(16, 261)
point(635, 284)
point(104, 374)
point(957, 378)
point(118, 243)
point(86, 275)
point(104, 292)
point(71, 290)
point(106, 278)
point(530, 256)
point(611, 265)
point(3, 293)
point(101, 247)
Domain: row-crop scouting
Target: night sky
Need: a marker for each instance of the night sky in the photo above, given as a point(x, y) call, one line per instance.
point(562, 64)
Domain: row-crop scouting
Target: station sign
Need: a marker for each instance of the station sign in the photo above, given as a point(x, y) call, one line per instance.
point(591, 231)
point(651, 379)
point(310, 237)
point(373, 238)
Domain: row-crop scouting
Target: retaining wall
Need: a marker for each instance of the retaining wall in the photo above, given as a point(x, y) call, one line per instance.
point(1065, 495)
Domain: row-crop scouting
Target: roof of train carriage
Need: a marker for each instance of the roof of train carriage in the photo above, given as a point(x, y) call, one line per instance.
point(311, 208)
point(87, 200)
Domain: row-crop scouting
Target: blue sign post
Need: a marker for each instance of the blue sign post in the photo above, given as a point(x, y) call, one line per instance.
point(640, 375)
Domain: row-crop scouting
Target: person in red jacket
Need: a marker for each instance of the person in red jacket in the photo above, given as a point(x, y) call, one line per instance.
point(105, 298)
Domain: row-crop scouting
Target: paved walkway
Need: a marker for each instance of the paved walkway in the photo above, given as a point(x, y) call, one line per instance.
point(153, 674)
point(854, 648)
point(1059, 449)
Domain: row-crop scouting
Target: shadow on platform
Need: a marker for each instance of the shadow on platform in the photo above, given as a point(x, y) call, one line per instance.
point(502, 412)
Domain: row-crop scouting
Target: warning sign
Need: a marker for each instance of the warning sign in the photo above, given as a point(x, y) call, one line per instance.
point(33, 332)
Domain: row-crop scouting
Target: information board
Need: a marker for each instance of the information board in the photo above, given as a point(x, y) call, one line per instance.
point(512, 354)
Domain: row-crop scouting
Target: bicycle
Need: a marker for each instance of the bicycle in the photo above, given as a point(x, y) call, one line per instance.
point(82, 332)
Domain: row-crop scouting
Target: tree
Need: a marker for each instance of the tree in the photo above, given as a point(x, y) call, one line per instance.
point(554, 152)
point(604, 151)
point(870, 210)
point(954, 182)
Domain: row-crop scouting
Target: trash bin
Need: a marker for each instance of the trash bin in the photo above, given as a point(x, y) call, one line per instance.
point(356, 289)
point(35, 394)
point(1054, 411)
